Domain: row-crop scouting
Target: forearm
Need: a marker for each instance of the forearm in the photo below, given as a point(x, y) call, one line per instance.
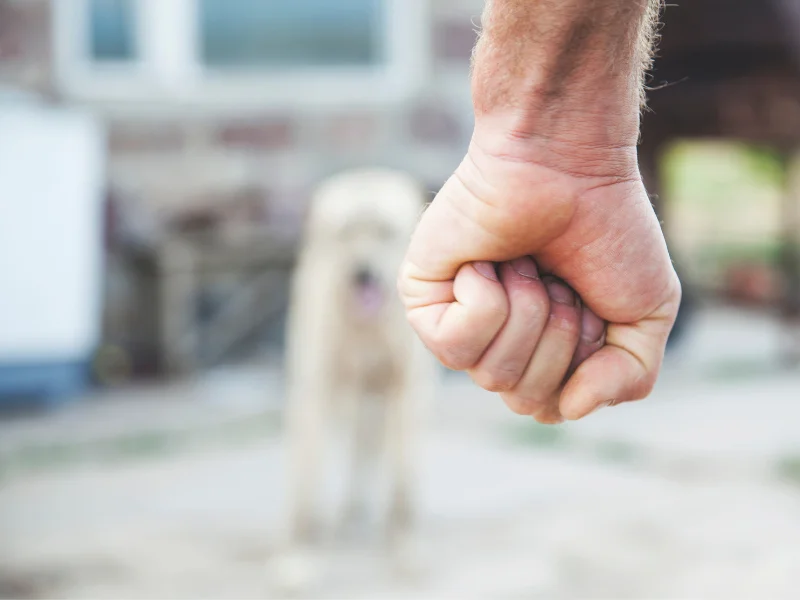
point(556, 67)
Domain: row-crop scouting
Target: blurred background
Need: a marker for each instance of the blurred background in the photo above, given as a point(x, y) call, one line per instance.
point(156, 160)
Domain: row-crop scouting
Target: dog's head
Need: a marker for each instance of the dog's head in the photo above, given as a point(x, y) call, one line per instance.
point(364, 219)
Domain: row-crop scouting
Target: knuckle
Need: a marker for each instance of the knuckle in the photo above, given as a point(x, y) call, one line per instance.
point(522, 405)
point(548, 417)
point(495, 309)
point(402, 281)
point(458, 350)
point(671, 299)
point(517, 406)
point(565, 321)
point(445, 351)
point(535, 307)
point(677, 287)
point(454, 358)
point(676, 296)
point(641, 389)
point(497, 379)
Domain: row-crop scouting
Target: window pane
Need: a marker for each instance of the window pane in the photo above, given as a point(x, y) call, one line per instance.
point(112, 29)
point(290, 33)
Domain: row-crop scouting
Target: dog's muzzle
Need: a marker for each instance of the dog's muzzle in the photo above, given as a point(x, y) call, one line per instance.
point(369, 293)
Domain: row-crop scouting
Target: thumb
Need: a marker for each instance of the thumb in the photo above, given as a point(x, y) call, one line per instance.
point(452, 294)
point(460, 329)
point(625, 369)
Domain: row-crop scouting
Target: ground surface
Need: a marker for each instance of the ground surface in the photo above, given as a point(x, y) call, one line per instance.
point(176, 491)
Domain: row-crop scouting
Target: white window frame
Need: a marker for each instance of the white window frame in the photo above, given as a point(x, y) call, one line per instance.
point(169, 71)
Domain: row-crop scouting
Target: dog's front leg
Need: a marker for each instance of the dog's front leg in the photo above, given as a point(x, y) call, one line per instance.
point(297, 564)
point(365, 445)
point(400, 440)
point(305, 441)
point(403, 539)
point(406, 423)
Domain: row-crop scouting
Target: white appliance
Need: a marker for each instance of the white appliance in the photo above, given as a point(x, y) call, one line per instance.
point(52, 163)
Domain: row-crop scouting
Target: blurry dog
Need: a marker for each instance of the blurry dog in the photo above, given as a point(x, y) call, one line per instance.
point(353, 362)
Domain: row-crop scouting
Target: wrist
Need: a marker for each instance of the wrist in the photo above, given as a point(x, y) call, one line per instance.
point(563, 71)
point(589, 150)
point(603, 115)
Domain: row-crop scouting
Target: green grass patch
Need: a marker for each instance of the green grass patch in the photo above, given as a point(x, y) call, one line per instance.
point(617, 452)
point(788, 469)
point(536, 435)
point(741, 370)
point(136, 446)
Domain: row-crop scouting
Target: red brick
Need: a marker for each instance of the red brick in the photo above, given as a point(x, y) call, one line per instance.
point(269, 135)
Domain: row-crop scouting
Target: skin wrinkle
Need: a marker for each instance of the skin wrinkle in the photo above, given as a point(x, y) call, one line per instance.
point(472, 190)
point(550, 181)
point(469, 161)
point(460, 211)
point(457, 206)
point(508, 156)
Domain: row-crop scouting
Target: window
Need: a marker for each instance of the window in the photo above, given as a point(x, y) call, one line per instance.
point(303, 33)
point(233, 52)
point(111, 30)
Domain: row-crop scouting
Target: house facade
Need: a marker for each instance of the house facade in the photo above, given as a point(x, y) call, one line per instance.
point(230, 111)
point(222, 115)
point(211, 104)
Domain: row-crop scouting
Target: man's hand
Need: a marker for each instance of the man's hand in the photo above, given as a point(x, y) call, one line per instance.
point(551, 173)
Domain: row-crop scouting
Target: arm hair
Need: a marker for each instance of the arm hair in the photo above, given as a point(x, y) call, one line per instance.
point(541, 52)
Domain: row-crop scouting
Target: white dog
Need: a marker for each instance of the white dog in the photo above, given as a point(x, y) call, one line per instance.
point(354, 365)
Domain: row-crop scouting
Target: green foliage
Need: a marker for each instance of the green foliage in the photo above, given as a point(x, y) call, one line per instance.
point(719, 174)
point(788, 469)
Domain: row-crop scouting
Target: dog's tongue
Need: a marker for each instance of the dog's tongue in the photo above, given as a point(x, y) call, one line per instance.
point(370, 299)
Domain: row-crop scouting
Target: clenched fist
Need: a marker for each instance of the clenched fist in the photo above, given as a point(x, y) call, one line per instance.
point(540, 268)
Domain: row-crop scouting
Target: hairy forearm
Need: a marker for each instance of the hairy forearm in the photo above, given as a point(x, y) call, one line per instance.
point(546, 65)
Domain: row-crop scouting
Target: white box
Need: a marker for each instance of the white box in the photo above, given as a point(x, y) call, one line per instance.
point(52, 181)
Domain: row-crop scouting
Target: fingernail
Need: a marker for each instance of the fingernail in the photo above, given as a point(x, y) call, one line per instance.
point(560, 292)
point(592, 327)
point(487, 269)
point(526, 267)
